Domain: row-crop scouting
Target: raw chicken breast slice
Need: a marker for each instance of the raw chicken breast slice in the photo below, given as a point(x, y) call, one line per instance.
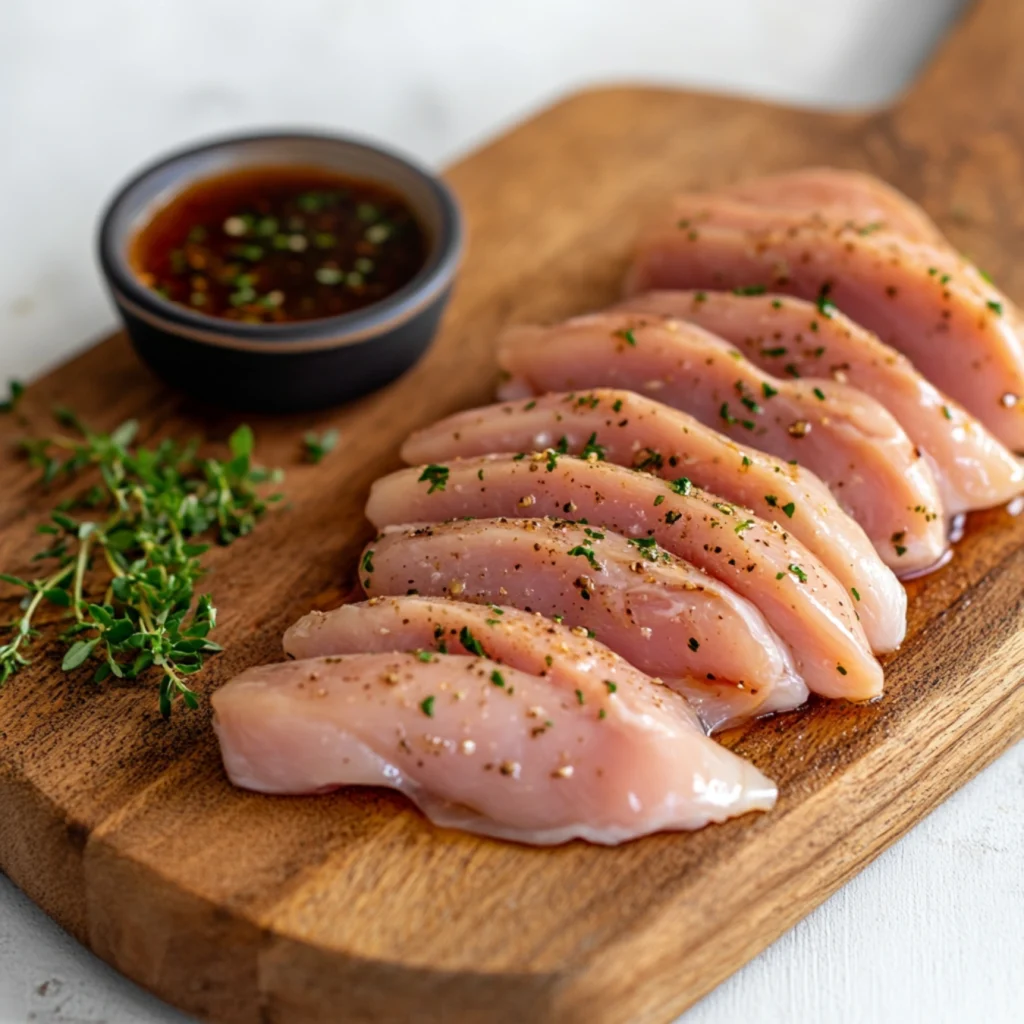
point(800, 599)
point(728, 211)
point(852, 200)
point(528, 760)
point(522, 640)
point(959, 331)
point(631, 430)
point(846, 438)
point(662, 615)
point(973, 470)
point(866, 201)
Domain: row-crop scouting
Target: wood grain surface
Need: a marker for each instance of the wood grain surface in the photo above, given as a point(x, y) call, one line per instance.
point(350, 907)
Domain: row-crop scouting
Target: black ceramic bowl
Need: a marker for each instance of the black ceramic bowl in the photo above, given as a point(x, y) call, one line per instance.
point(291, 366)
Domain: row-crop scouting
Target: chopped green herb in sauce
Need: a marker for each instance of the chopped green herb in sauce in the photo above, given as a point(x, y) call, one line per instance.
point(280, 244)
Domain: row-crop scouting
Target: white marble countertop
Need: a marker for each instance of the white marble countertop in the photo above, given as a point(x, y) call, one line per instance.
point(933, 931)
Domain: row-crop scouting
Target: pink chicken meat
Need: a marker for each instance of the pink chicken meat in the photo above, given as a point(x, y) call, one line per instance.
point(958, 330)
point(800, 599)
point(591, 749)
point(665, 617)
point(631, 430)
point(973, 469)
point(865, 201)
point(846, 438)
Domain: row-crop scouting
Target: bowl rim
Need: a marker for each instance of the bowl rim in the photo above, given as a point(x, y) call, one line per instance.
point(427, 285)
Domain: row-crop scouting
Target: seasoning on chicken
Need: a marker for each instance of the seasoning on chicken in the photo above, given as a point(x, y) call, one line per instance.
point(956, 328)
point(800, 599)
point(485, 746)
point(846, 438)
point(972, 469)
point(631, 430)
point(863, 200)
point(655, 610)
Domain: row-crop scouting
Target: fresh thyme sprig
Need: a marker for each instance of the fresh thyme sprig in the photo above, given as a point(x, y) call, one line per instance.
point(126, 551)
point(316, 446)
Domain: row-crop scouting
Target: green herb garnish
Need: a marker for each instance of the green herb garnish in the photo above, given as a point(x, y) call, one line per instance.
point(140, 529)
point(314, 448)
point(15, 390)
point(647, 546)
point(436, 476)
point(470, 642)
point(584, 551)
point(593, 448)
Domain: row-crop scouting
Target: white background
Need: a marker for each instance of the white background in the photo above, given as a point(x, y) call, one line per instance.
point(89, 89)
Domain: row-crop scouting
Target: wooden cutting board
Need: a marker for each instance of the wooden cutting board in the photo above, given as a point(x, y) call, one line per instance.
point(351, 907)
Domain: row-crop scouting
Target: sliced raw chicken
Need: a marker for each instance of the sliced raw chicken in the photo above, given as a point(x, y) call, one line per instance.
point(665, 617)
point(841, 195)
point(973, 469)
point(958, 330)
point(837, 432)
point(853, 200)
point(486, 747)
point(523, 640)
point(631, 430)
point(800, 599)
point(728, 211)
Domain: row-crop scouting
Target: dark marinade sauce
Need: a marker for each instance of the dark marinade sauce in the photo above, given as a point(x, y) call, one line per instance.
point(279, 244)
